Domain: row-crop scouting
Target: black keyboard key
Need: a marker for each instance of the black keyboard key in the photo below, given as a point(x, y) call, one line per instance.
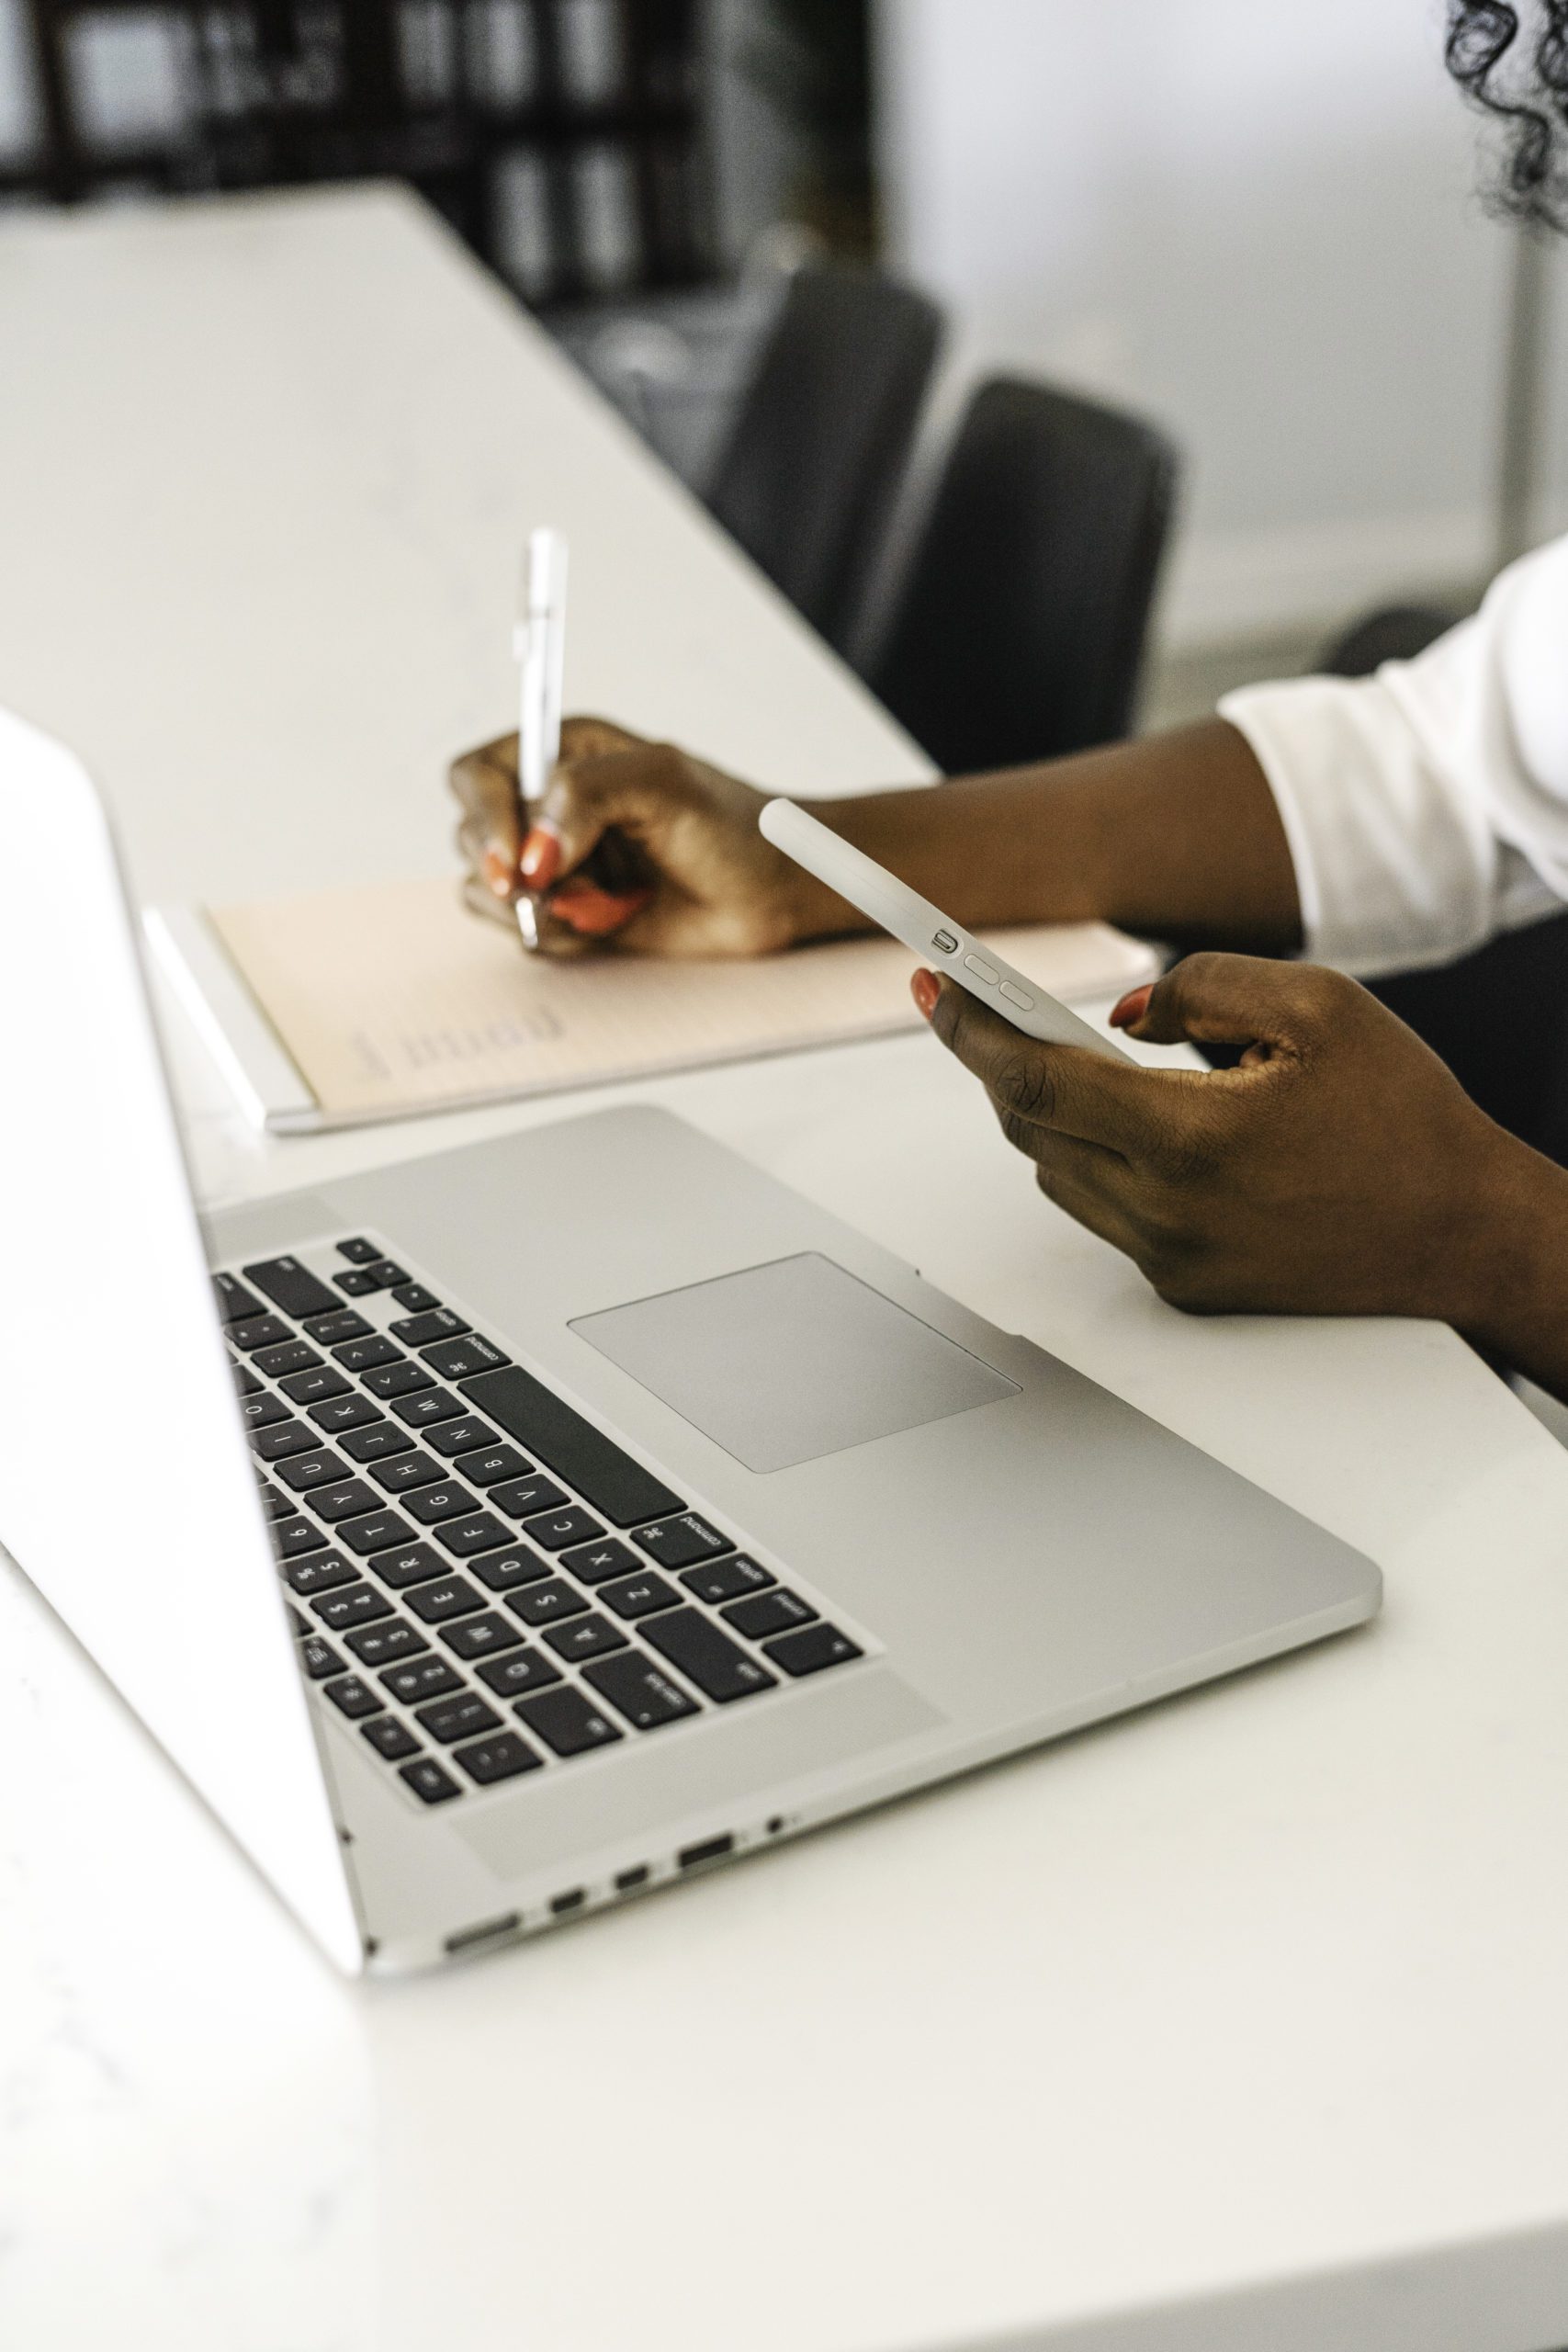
point(769, 1613)
point(291, 1286)
point(462, 1435)
point(383, 1530)
point(235, 1303)
point(406, 1470)
point(447, 1499)
point(431, 1405)
point(292, 1356)
point(460, 1359)
point(557, 1529)
point(357, 1282)
point(350, 1501)
point(321, 1573)
point(406, 1563)
point(258, 1332)
point(501, 1758)
point(592, 1563)
point(811, 1649)
point(399, 1379)
point(298, 1621)
point(587, 1460)
point(346, 1413)
point(390, 1738)
point(521, 1495)
point(245, 1380)
point(516, 1564)
point(480, 1532)
point(459, 1718)
point(708, 1657)
point(262, 1412)
point(422, 1331)
point(637, 1595)
point(680, 1542)
point(452, 1597)
point(385, 1645)
point(638, 1689)
point(319, 1658)
point(569, 1723)
point(426, 1777)
point(585, 1637)
point(541, 1604)
point(343, 1323)
point(291, 1537)
point(277, 1506)
point(359, 1252)
point(386, 1275)
point(301, 1472)
point(524, 1670)
point(364, 1355)
point(357, 1604)
point(726, 1579)
point(481, 1636)
point(284, 1438)
point(422, 1678)
point(315, 1387)
point(354, 1698)
point(375, 1444)
point(488, 1468)
point(415, 1299)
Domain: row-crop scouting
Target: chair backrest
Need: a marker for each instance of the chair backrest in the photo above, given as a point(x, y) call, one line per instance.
point(818, 448)
point(1018, 632)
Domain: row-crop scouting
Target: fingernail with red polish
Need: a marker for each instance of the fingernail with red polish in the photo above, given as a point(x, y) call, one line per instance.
point(540, 861)
point(923, 987)
point(499, 875)
point(1133, 1007)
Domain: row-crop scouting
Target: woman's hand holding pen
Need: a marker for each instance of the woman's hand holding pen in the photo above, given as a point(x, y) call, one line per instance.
point(635, 846)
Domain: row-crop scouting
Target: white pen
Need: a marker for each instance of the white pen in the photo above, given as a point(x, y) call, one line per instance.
point(539, 644)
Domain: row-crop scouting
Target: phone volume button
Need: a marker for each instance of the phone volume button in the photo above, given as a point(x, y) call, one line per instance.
point(1016, 996)
point(981, 969)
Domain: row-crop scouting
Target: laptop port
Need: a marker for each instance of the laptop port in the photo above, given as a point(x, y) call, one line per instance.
point(626, 1881)
point(467, 1938)
point(708, 1851)
point(572, 1901)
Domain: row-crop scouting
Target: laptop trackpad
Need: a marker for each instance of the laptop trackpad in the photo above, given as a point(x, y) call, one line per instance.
point(784, 1363)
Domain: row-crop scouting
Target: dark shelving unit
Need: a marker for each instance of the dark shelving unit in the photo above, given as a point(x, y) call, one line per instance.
point(565, 139)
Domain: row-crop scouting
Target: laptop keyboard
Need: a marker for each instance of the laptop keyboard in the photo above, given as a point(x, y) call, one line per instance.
point(483, 1582)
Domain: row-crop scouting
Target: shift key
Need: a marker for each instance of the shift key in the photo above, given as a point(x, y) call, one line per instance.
point(704, 1655)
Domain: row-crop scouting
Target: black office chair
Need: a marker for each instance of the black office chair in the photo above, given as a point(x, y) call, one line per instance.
point(817, 451)
point(1019, 630)
point(1499, 1016)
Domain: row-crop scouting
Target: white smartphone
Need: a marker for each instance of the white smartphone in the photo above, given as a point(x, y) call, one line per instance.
point(934, 938)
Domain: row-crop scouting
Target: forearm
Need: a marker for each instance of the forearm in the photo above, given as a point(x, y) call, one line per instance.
point(1176, 836)
point(1515, 1305)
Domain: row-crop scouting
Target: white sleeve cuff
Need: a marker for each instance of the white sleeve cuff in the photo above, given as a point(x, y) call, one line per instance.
point(1396, 868)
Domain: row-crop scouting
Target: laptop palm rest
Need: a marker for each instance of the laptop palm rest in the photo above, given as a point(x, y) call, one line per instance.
point(784, 1363)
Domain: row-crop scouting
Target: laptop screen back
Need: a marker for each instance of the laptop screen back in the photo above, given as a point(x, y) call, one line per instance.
point(126, 1489)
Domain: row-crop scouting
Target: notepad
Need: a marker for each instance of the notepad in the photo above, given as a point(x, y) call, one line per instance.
point(339, 1007)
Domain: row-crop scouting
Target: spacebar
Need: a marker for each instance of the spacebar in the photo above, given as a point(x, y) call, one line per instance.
point(573, 1448)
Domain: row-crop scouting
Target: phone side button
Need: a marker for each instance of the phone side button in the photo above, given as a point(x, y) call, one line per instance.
point(1017, 996)
point(982, 970)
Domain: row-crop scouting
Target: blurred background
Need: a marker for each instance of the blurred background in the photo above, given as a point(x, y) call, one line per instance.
point(1298, 372)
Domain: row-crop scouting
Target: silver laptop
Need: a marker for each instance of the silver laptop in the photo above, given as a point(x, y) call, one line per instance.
point(499, 1535)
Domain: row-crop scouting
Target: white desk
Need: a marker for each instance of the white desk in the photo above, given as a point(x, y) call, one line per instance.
point(1241, 2023)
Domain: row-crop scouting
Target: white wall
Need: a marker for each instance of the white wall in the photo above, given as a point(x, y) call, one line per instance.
point(1253, 220)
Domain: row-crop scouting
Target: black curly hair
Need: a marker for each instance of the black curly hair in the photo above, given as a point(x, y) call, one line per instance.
point(1532, 181)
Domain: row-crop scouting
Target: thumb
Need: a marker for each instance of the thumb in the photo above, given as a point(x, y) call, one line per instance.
point(585, 797)
point(1217, 999)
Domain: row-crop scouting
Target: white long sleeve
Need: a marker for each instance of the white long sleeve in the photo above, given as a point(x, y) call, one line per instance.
point(1426, 808)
